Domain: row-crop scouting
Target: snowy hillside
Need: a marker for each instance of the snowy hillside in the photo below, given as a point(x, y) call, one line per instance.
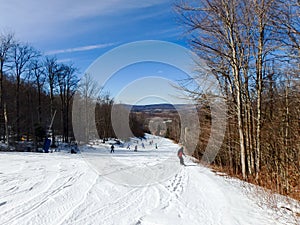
point(147, 187)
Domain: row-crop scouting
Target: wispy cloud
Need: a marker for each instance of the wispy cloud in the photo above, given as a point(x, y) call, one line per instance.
point(32, 12)
point(45, 19)
point(67, 60)
point(80, 49)
point(168, 32)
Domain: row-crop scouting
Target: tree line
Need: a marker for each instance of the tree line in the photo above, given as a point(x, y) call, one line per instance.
point(252, 49)
point(32, 89)
point(36, 96)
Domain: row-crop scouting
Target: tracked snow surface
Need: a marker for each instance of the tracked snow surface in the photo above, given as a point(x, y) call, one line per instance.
point(147, 187)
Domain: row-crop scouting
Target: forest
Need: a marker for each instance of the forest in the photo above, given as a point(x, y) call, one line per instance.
point(36, 95)
point(252, 49)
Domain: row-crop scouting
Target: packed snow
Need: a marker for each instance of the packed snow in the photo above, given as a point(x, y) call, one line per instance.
point(146, 187)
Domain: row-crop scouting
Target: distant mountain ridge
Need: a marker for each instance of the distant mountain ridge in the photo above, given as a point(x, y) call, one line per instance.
point(157, 107)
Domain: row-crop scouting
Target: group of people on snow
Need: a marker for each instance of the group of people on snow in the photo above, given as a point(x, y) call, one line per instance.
point(180, 152)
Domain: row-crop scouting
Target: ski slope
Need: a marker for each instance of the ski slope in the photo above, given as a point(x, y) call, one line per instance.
point(147, 187)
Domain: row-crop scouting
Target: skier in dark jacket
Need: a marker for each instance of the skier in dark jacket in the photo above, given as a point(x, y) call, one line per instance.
point(112, 149)
point(180, 154)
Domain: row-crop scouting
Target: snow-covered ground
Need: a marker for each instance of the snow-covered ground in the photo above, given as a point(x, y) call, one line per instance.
point(147, 187)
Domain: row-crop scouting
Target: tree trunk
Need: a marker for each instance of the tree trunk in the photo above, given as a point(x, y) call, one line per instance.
point(259, 81)
point(1, 97)
point(52, 110)
point(39, 105)
point(6, 126)
point(241, 135)
point(18, 108)
point(286, 137)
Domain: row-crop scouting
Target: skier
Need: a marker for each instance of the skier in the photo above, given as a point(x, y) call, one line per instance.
point(143, 145)
point(156, 146)
point(112, 149)
point(135, 148)
point(179, 154)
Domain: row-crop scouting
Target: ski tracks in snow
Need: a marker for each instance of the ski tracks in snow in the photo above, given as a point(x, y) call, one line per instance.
point(37, 202)
point(63, 189)
point(106, 209)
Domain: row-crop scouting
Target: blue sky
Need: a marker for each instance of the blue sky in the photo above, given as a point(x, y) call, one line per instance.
point(81, 31)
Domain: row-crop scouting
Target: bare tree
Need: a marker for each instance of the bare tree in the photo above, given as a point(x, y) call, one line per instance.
point(252, 49)
point(236, 38)
point(22, 54)
point(38, 75)
point(86, 97)
point(105, 110)
point(6, 43)
point(52, 69)
point(67, 82)
point(218, 42)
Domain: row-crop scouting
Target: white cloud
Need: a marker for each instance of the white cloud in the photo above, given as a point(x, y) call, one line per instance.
point(29, 13)
point(45, 20)
point(80, 49)
point(66, 60)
